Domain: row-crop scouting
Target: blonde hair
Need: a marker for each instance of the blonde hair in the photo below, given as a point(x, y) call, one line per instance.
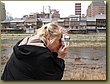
point(51, 29)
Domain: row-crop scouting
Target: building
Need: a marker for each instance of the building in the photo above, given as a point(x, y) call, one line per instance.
point(43, 15)
point(101, 23)
point(13, 26)
point(25, 17)
point(74, 23)
point(78, 9)
point(96, 23)
point(61, 22)
point(55, 13)
point(5, 24)
point(91, 24)
point(3, 11)
point(96, 7)
point(83, 24)
point(17, 23)
point(66, 22)
point(45, 21)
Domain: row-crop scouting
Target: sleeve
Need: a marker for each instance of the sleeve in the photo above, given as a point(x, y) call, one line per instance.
point(59, 61)
point(50, 69)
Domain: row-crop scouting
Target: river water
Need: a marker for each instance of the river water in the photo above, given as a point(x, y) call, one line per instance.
point(88, 55)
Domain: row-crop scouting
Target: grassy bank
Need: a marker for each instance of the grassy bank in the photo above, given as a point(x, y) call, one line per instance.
point(85, 74)
point(77, 40)
point(16, 34)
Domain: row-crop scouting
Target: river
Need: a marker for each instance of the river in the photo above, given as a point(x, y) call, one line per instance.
point(87, 58)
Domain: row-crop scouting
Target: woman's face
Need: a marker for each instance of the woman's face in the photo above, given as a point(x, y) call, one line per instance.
point(55, 45)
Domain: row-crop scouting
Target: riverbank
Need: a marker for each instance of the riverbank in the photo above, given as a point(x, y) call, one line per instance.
point(86, 58)
point(80, 63)
point(77, 40)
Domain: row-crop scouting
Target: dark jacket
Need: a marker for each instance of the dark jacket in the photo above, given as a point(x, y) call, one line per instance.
point(29, 62)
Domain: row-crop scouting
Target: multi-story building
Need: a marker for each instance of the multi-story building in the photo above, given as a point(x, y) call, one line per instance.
point(43, 15)
point(61, 22)
point(101, 23)
point(66, 22)
point(83, 23)
point(91, 24)
point(3, 11)
point(55, 13)
point(96, 7)
point(74, 22)
point(96, 23)
point(78, 9)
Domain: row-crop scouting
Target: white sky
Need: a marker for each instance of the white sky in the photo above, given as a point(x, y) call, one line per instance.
point(20, 8)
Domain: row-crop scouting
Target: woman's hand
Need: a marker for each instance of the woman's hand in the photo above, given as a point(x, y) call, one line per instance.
point(63, 50)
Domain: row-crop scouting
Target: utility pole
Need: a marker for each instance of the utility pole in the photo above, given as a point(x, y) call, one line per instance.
point(50, 15)
point(43, 12)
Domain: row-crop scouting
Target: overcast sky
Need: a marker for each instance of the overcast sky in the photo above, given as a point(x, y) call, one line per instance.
point(20, 8)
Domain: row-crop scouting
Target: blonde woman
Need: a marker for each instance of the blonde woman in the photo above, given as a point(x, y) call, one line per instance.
point(38, 57)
